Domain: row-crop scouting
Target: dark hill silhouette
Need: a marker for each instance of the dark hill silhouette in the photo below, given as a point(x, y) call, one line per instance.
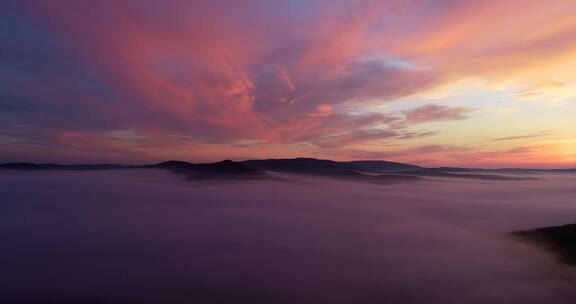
point(380, 166)
point(227, 167)
point(299, 165)
point(358, 169)
point(365, 170)
point(222, 169)
point(32, 166)
point(340, 170)
point(560, 239)
point(173, 164)
point(314, 165)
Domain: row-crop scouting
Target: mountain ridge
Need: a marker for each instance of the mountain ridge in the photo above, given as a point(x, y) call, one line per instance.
point(561, 240)
point(369, 170)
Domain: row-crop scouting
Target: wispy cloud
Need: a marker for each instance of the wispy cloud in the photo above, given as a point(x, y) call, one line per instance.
point(434, 112)
point(524, 136)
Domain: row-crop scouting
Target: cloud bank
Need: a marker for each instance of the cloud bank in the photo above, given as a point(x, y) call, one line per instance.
point(147, 237)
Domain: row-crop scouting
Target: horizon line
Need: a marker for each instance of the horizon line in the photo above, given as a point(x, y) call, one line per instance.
point(293, 158)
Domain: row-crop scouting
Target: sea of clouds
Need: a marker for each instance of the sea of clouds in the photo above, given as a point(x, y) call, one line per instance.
point(150, 236)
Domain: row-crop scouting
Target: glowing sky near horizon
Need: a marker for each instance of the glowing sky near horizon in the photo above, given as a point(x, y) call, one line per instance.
point(434, 82)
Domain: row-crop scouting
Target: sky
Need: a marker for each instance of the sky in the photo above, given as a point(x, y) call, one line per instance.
point(432, 82)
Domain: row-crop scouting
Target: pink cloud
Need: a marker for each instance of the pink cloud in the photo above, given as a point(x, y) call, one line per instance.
point(434, 112)
point(278, 72)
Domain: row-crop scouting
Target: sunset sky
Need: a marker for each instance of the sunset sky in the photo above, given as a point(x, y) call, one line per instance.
point(488, 83)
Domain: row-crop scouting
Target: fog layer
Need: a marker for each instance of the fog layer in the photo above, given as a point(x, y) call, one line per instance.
point(149, 236)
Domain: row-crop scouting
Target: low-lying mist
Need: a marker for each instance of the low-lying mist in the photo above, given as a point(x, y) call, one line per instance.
point(150, 236)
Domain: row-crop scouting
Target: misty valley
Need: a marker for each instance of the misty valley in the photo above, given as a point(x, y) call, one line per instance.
point(282, 231)
point(287, 152)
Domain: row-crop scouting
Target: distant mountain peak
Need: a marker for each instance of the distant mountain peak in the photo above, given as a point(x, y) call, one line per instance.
point(227, 167)
point(173, 164)
point(226, 161)
point(359, 169)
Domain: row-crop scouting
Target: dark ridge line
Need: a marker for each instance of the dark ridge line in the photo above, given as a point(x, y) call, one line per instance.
point(560, 240)
point(366, 170)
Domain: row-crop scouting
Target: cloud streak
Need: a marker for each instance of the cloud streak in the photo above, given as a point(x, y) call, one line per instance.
point(524, 136)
